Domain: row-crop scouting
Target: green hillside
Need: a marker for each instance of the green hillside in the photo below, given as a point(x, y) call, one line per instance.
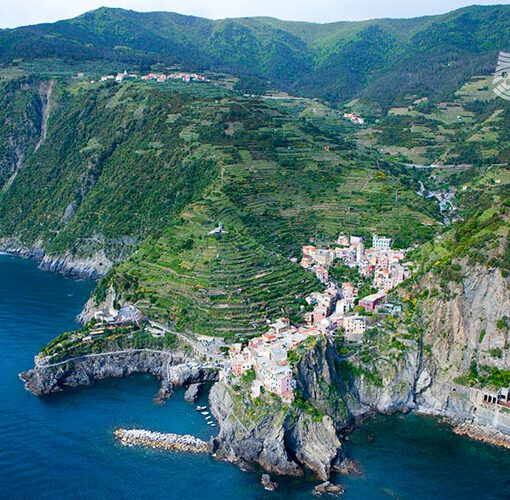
point(480, 235)
point(471, 126)
point(430, 56)
point(161, 165)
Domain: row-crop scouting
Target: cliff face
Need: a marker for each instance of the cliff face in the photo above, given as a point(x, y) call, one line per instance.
point(171, 368)
point(92, 267)
point(252, 440)
point(402, 380)
point(307, 434)
point(91, 307)
point(463, 330)
point(283, 438)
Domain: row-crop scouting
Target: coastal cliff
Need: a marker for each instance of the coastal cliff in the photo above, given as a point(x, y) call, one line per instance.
point(335, 386)
point(284, 437)
point(90, 267)
point(466, 332)
point(173, 369)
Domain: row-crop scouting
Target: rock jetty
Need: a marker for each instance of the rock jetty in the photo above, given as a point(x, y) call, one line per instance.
point(170, 442)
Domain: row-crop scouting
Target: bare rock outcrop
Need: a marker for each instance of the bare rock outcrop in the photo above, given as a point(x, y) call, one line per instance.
point(193, 392)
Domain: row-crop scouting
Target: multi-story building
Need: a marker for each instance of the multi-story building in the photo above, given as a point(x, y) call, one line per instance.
point(381, 242)
point(354, 328)
point(370, 302)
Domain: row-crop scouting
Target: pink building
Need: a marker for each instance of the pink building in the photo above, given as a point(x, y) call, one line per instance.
point(370, 302)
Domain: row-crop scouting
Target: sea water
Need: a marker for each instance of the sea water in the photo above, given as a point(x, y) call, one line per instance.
point(62, 446)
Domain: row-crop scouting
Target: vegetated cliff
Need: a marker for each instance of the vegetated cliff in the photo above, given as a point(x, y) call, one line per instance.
point(86, 267)
point(98, 174)
point(463, 298)
point(172, 368)
point(21, 125)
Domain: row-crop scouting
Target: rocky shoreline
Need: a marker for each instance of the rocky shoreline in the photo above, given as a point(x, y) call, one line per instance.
point(94, 267)
point(172, 368)
point(483, 434)
point(281, 440)
point(163, 441)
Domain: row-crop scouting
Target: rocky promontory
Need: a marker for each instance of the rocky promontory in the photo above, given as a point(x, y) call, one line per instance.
point(173, 369)
point(281, 438)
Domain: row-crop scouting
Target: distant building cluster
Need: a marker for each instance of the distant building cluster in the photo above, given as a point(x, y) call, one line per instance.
point(353, 118)
point(159, 77)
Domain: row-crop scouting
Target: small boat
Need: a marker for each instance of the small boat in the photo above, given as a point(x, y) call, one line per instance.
point(212, 425)
point(201, 408)
point(204, 413)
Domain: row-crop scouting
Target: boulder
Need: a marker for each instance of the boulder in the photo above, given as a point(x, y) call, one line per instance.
point(193, 392)
point(269, 485)
point(349, 467)
point(329, 488)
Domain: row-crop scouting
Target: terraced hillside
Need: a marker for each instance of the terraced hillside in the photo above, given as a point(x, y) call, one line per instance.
point(223, 283)
point(283, 181)
point(120, 164)
point(471, 126)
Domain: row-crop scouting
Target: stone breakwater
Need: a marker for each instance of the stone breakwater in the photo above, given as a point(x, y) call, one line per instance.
point(159, 440)
point(484, 434)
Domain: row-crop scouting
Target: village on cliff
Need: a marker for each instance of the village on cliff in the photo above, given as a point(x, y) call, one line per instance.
point(332, 311)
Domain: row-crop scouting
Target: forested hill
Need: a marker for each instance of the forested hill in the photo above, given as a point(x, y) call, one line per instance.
point(381, 60)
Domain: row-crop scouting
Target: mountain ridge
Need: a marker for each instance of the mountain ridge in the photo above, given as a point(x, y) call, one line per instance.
point(334, 61)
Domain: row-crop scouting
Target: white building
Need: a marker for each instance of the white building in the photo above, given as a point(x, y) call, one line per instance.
point(381, 242)
point(279, 326)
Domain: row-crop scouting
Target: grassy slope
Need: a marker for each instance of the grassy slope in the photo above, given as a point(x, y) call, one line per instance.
point(481, 235)
point(469, 127)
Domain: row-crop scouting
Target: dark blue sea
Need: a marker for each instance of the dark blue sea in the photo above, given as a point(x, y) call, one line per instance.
point(62, 446)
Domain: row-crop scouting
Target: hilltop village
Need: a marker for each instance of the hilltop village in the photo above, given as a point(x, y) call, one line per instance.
point(158, 77)
point(332, 312)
